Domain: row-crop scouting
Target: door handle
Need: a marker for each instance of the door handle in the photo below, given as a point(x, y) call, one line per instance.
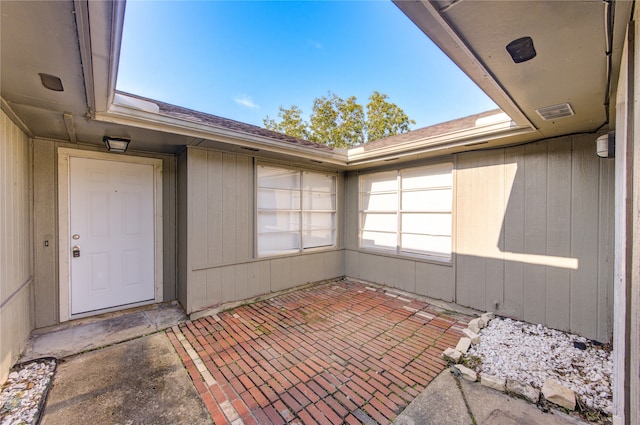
point(75, 251)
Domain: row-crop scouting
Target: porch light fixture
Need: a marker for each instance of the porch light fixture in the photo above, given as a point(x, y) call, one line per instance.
point(116, 144)
point(606, 145)
point(51, 82)
point(521, 50)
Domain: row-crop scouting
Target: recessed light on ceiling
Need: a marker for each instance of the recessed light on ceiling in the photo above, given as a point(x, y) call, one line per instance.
point(521, 50)
point(556, 111)
point(51, 82)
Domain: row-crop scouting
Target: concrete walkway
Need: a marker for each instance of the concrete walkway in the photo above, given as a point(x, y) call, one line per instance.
point(91, 333)
point(141, 381)
point(449, 400)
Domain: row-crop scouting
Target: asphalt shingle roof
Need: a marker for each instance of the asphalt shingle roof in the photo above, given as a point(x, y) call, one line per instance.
point(174, 111)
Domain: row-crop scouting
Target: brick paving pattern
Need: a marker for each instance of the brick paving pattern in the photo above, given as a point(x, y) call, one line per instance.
point(331, 354)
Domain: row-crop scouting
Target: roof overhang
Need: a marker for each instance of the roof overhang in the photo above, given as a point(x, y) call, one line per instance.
point(85, 48)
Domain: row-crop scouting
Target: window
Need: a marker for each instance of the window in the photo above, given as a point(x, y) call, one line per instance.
point(408, 211)
point(296, 210)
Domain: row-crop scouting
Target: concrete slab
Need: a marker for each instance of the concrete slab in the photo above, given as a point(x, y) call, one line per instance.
point(441, 403)
point(141, 381)
point(494, 407)
point(91, 333)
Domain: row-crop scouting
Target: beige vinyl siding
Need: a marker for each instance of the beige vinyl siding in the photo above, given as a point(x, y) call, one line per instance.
point(45, 216)
point(534, 226)
point(16, 265)
point(220, 262)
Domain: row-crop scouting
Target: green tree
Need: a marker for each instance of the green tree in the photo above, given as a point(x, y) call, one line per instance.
point(343, 123)
point(290, 123)
point(385, 119)
point(337, 122)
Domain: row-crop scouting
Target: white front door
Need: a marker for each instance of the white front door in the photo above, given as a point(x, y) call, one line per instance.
point(111, 233)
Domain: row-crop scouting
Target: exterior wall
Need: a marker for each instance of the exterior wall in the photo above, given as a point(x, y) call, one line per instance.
point(220, 262)
point(535, 234)
point(436, 280)
point(47, 302)
point(533, 237)
point(626, 337)
point(16, 264)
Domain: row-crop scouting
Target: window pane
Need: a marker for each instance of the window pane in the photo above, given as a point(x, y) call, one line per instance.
point(379, 202)
point(427, 200)
point(379, 240)
point(379, 182)
point(278, 243)
point(278, 199)
point(380, 222)
point(423, 244)
point(318, 229)
point(439, 175)
point(319, 221)
point(318, 201)
point(318, 182)
point(278, 178)
point(427, 224)
point(278, 222)
point(281, 196)
point(317, 238)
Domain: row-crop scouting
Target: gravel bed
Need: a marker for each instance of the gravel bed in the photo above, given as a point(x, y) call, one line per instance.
point(23, 395)
point(531, 354)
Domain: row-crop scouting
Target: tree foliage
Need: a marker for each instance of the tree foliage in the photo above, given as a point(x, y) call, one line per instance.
point(343, 123)
point(290, 123)
point(385, 119)
point(337, 122)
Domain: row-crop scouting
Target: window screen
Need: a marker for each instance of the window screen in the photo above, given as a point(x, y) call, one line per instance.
point(296, 210)
point(408, 211)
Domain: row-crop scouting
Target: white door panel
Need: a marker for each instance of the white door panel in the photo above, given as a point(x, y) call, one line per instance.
point(112, 223)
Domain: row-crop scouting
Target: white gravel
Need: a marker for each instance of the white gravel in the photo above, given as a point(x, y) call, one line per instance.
point(21, 395)
point(531, 354)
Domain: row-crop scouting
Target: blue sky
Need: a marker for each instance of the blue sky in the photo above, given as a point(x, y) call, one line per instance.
point(244, 59)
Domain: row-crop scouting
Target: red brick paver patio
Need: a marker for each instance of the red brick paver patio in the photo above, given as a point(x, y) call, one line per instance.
point(332, 354)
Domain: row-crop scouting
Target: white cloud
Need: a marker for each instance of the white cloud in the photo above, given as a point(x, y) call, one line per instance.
point(247, 101)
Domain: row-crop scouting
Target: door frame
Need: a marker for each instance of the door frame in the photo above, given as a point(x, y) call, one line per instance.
point(64, 154)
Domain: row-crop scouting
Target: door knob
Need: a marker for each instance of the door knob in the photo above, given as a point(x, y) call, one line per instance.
point(75, 251)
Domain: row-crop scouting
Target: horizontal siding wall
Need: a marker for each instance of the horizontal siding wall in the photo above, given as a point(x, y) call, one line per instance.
point(220, 215)
point(16, 270)
point(535, 234)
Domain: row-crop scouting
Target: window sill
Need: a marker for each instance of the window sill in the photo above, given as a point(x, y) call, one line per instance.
point(307, 251)
point(446, 262)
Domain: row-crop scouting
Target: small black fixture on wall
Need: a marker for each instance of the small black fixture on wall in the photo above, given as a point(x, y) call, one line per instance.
point(116, 144)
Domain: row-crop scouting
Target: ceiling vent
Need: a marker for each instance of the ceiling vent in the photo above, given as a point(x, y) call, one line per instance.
point(556, 111)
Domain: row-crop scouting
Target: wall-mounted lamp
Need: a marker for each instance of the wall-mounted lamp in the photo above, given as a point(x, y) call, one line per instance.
point(116, 144)
point(606, 145)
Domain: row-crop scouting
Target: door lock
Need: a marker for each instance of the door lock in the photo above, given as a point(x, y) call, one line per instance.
point(75, 251)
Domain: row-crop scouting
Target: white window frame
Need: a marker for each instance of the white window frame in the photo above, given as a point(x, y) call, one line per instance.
point(385, 210)
point(301, 225)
